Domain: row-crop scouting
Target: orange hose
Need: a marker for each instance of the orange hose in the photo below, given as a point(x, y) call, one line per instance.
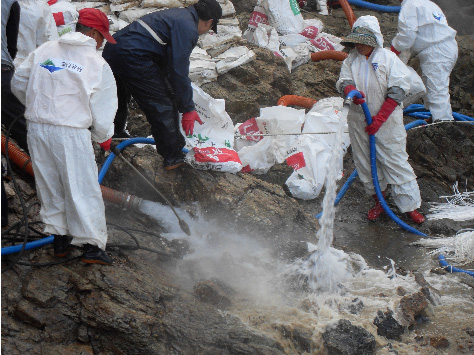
point(120, 198)
point(348, 11)
point(23, 161)
point(294, 100)
point(321, 55)
point(17, 156)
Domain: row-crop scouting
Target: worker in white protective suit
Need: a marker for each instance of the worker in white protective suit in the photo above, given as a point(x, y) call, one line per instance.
point(37, 26)
point(70, 96)
point(424, 31)
point(383, 80)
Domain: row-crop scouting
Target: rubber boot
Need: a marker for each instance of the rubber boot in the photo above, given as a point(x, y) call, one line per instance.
point(62, 245)
point(94, 255)
point(416, 216)
point(377, 211)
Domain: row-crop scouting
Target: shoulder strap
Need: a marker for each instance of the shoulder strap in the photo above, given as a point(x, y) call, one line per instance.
point(153, 33)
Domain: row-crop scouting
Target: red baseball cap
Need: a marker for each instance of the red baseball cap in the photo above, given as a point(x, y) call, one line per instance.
point(95, 18)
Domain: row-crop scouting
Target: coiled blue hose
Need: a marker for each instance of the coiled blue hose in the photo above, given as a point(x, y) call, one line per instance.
point(444, 264)
point(376, 7)
point(419, 111)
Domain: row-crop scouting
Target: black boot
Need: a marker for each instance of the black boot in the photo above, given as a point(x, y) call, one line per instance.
point(62, 245)
point(94, 255)
point(174, 162)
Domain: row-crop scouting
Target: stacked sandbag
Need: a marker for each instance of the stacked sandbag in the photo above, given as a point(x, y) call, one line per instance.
point(279, 26)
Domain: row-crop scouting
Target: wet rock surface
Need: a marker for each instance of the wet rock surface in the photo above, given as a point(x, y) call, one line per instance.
point(347, 339)
point(144, 304)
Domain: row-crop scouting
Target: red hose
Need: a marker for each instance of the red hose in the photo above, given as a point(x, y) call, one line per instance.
point(321, 55)
point(295, 100)
point(348, 11)
point(23, 161)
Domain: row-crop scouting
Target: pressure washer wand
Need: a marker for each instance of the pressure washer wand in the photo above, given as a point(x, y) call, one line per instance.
point(184, 226)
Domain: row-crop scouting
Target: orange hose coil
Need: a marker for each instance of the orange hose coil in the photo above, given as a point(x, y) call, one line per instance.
point(348, 11)
point(337, 55)
point(295, 100)
point(23, 161)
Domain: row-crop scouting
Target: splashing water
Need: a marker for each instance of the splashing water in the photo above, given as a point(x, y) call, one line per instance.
point(164, 215)
point(329, 266)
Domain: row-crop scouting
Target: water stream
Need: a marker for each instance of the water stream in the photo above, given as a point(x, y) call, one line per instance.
point(279, 298)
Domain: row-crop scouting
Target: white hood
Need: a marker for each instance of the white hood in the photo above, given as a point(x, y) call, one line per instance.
point(372, 24)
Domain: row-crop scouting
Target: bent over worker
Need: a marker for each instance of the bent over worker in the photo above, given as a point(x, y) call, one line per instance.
point(383, 80)
point(424, 31)
point(151, 63)
point(70, 97)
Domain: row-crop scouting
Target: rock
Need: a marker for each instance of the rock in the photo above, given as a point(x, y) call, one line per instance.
point(388, 326)
point(356, 306)
point(346, 339)
point(208, 291)
point(401, 291)
point(411, 306)
point(439, 342)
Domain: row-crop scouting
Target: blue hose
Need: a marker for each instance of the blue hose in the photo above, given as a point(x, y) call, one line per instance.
point(341, 193)
point(31, 245)
point(373, 164)
point(108, 161)
point(376, 7)
point(120, 147)
point(444, 264)
point(419, 111)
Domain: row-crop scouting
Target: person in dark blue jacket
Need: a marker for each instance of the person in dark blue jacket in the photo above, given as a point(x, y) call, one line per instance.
point(151, 63)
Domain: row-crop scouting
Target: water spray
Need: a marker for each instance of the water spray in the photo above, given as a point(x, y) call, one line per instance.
point(184, 226)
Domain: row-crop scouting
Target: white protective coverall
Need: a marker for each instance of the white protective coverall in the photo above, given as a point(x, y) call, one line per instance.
point(37, 26)
point(323, 7)
point(424, 31)
point(374, 76)
point(70, 96)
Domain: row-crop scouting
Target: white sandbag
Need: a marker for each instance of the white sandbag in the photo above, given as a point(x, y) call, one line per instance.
point(258, 158)
point(124, 6)
point(69, 13)
point(215, 52)
point(102, 6)
point(312, 28)
point(228, 21)
point(133, 14)
point(202, 72)
point(292, 39)
point(307, 157)
point(326, 41)
point(234, 57)
point(284, 15)
point(280, 119)
point(227, 7)
point(160, 3)
point(310, 155)
point(117, 2)
point(115, 23)
point(224, 35)
point(297, 55)
point(264, 141)
point(258, 16)
point(211, 145)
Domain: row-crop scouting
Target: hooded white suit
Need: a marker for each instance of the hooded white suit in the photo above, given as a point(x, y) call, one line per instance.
point(70, 96)
point(424, 31)
point(37, 26)
point(376, 76)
